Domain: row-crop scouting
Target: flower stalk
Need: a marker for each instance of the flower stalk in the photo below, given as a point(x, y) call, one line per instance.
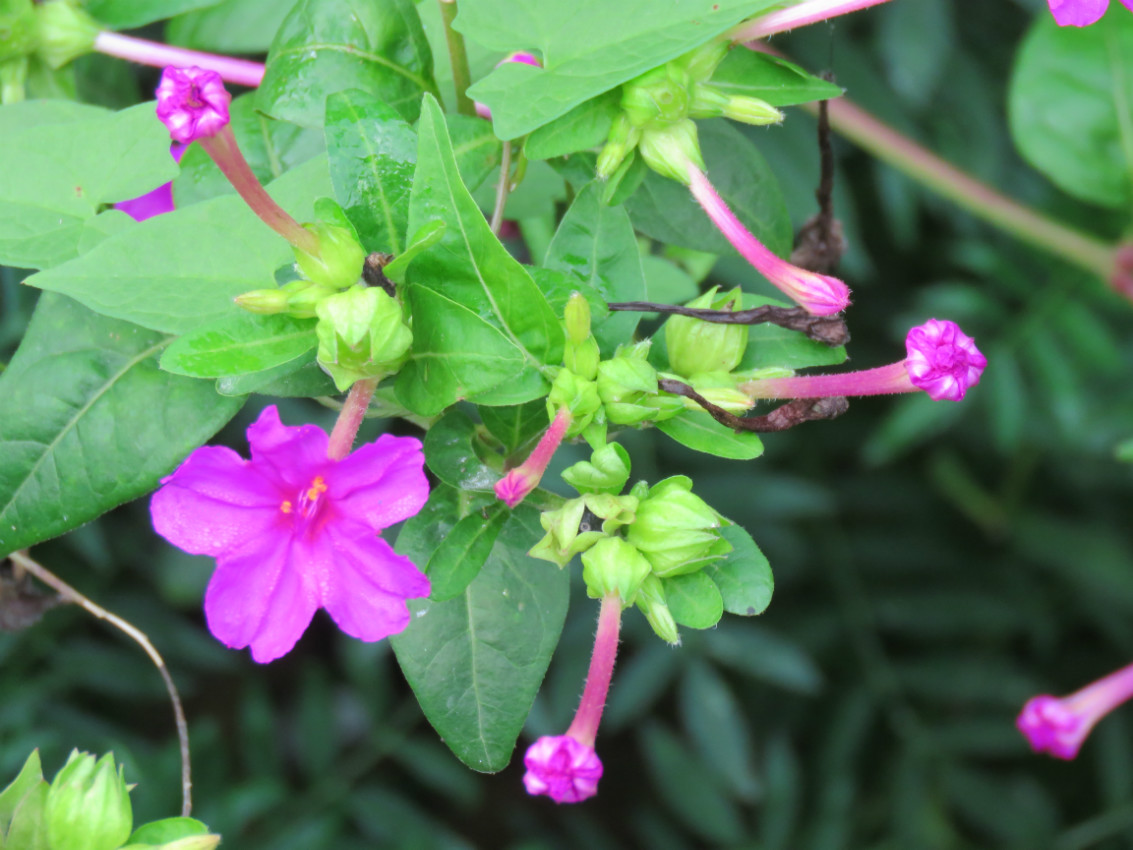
point(584, 727)
point(350, 419)
point(799, 15)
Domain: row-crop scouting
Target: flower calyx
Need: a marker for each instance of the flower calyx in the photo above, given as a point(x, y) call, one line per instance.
point(63, 32)
point(676, 530)
point(697, 346)
point(88, 805)
point(362, 334)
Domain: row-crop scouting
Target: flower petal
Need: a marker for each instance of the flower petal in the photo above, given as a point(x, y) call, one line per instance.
point(365, 583)
point(382, 482)
point(261, 596)
point(214, 502)
point(294, 453)
point(1078, 13)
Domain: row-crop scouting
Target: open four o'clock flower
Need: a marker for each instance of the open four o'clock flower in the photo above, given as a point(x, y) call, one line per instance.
point(293, 531)
point(1059, 725)
point(1081, 13)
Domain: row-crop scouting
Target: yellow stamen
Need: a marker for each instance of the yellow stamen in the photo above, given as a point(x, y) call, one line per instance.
point(286, 507)
point(317, 486)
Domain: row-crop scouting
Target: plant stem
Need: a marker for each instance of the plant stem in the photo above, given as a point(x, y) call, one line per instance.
point(584, 727)
point(25, 562)
point(240, 71)
point(350, 418)
point(502, 189)
point(458, 56)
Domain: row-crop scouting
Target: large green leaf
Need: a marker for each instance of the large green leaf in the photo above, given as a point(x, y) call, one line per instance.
point(177, 271)
point(700, 432)
point(663, 209)
point(90, 421)
point(54, 181)
point(128, 14)
point(587, 48)
point(231, 26)
point(597, 243)
point(328, 46)
point(478, 317)
point(743, 575)
point(777, 81)
point(238, 344)
point(476, 661)
point(1071, 106)
point(451, 456)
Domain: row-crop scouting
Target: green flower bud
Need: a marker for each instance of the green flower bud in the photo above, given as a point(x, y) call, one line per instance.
point(580, 523)
point(304, 297)
point(606, 472)
point(651, 600)
point(576, 316)
point(709, 102)
point(339, 261)
point(17, 29)
point(264, 301)
point(578, 395)
point(623, 138)
point(613, 566)
point(702, 62)
point(676, 530)
point(582, 358)
point(696, 346)
point(626, 377)
point(362, 334)
point(659, 96)
point(88, 805)
point(13, 80)
point(63, 32)
point(668, 150)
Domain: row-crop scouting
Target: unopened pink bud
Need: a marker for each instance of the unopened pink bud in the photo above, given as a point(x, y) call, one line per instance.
point(192, 103)
point(943, 360)
point(562, 768)
point(1059, 725)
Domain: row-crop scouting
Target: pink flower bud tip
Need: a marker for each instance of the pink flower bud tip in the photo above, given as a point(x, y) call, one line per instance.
point(564, 769)
point(192, 103)
point(517, 483)
point(1051, 727)
point(514, 487)
point(943, 360)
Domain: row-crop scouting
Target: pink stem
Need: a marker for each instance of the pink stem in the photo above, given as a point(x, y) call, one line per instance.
point(226, 154)
point(752, 250)
point(801, 14)
point(350, 418)
point(584, 728)
point(1101, 697)
point(240, 71)
point(880, 381)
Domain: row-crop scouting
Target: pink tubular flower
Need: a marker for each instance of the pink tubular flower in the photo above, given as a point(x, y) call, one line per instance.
point(192, 103)
point(1058, 726)
point(517, 483)
point(798, 15)
point(1081, 13)
point(819, 294)
point(293, 531)
point(941, 360)
point(156, 202)
point(239, 71)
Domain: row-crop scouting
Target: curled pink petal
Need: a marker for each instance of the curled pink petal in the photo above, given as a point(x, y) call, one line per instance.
point(192, 103)
point(942, 360)
point(1079, 13)
point(561, 768)
point(155, 202)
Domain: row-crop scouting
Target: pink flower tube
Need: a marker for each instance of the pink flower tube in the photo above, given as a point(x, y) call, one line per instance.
point(515, 486)
point(801, 14)
point(238, 71)
point(1059, 725)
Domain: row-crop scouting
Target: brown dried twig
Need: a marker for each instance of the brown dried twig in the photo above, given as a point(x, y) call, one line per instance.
point(780, 419)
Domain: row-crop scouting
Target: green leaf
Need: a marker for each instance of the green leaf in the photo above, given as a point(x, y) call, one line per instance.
point(700, 432)
point(55, 180)
point(777, 81)
point(168, 829)
point(429, 234)
point(130, 14)
point(694, 600)
point(459, 558)
point(240, 343)
point(664, 210)
point(716, 723)
point(597, 243)
point(451, 457)
point(231, 26)
point(91, 422)
point(478, 317)
point(584, 127)
point(743, 575)
point(298, 378)
point(328, 46)
point(587, 47)
point(157, 275)
point(476, 148)
point(1069, 101)
point(30, 775)
point(515, 426)
point(372, 154)
point(476, 661)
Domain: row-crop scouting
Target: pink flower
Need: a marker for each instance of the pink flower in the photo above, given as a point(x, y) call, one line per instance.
point(192, 103)
point(562, 768)
point(1058, 726)
point(1081, 13)
point(293, 531)
point(156, 202)
point(514, 487)
point(941, 360)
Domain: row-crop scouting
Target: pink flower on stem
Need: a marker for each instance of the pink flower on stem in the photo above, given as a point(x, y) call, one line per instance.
point(565, 767)
point(293, 530)
point(1058, 726)
point(517, 483)
point(1081, 13)
point(819, 294)
point(193, 104)
point(941, 360)
point(156, 202)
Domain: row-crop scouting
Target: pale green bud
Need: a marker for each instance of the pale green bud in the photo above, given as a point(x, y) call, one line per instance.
point(63, 32)
point(676, 530)
point(304, 297)
point(709, 102)
point(702, 62)
point(625, 378)
point(88, 805)
point(339, 261)
point(623, 138)
point(613, 566)
point(362, 334)
point(576, 316)
point(264, 301)
point(582, 358)
point(606, 472)
point(668, 150)
point(651, 601)
point(578, 395)
point(696, 346)
point(13, 79)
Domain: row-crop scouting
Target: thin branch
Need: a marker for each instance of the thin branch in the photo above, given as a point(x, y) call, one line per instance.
point(25, 562)
point(830, 330)
point(502, 189)
point(458, 55)
point(780, 419)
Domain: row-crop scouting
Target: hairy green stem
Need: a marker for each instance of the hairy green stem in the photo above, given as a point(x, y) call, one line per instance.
point(461, 75)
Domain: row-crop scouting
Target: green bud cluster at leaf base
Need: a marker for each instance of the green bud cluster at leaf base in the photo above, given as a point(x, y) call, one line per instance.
point(613, 566)
point(580, 523)
point(362, 334)
point(696, 346)
point(677, 531)
point(17, 29)
point(338, 264)
point(627, 385)
point(88, 805)
point(578, 395)
point(63, 32)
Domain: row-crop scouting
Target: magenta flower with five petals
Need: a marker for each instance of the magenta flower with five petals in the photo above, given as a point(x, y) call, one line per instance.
point(293, 531)
point(1081, 13)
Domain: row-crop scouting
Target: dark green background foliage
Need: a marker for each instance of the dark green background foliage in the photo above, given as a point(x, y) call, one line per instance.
point(935, 565)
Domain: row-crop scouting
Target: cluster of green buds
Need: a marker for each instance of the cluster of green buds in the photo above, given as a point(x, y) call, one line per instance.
point(362, 330)
point(634, 544)
point(659, 108)
point(87, 807)
point(52, 32)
